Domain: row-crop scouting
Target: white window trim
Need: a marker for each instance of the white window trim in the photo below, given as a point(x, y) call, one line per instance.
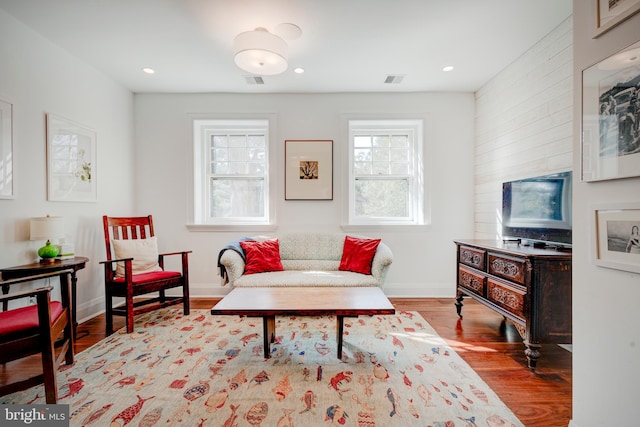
point(194, 209)
point(421, 217)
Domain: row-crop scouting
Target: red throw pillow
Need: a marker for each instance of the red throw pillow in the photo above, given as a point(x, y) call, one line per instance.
point(261, 256)
point(357, 254)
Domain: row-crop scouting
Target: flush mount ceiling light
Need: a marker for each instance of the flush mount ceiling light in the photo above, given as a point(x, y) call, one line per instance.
point(260, 52)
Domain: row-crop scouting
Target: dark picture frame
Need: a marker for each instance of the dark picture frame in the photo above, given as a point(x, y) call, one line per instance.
point(610, 112)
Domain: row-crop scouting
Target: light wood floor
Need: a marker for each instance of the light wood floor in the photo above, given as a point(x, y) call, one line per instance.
point(494, 350)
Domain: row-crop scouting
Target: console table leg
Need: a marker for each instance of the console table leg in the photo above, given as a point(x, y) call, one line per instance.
point(339, 331)
point(533, 354)
point(268, 334)
point(459, 304)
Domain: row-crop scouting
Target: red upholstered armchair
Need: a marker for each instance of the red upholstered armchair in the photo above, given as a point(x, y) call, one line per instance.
point(135, 268)
point(44, 328)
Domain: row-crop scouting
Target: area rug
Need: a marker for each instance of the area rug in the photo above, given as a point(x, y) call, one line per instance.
point(204, 370)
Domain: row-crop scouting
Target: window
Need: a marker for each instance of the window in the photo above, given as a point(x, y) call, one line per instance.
point(385, 173)
point(231, 172)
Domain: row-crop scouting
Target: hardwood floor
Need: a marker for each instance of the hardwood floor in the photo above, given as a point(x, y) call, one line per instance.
point(492, 348)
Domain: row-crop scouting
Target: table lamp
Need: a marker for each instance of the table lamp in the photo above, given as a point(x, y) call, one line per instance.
point(47, 228)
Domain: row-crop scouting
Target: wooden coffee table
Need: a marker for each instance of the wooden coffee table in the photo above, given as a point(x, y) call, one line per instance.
point(303, 301)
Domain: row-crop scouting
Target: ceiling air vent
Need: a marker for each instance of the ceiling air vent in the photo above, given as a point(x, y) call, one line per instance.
point(393, 79)
point(254, 80)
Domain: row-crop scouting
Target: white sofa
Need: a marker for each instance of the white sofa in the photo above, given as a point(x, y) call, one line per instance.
point(308, 259)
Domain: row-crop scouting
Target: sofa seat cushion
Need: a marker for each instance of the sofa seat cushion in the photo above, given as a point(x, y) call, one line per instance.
point(305, 278)
point(310, 264)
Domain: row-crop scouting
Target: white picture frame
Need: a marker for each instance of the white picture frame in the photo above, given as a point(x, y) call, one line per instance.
point(6, 150)
point(308, 170)
point(71, 161)
point(616, 232)
point(611, 13)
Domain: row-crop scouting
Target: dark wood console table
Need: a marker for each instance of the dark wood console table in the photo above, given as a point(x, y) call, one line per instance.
point(529, 286)
point(74, 264)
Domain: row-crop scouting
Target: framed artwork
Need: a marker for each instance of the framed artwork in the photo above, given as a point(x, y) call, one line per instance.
point(610, 113)
point(71, 161)
point(617, 236)
point(610, 13)
point(308, 170)
point(6, 150)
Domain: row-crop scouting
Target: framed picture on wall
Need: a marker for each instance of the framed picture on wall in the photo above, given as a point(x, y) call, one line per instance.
point(6, 150)
point(610, 114)
point(617, 236)
point(71, 161)
point(610, 13)
point(308, 170)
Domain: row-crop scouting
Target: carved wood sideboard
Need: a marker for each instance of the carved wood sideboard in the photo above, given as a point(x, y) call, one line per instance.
point(529, 286)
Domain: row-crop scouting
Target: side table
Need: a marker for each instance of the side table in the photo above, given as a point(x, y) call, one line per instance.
point(75, 264)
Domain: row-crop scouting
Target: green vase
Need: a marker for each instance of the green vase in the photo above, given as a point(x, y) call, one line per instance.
point(48, 251)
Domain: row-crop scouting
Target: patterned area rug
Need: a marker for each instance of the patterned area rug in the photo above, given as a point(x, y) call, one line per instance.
point(204, 370)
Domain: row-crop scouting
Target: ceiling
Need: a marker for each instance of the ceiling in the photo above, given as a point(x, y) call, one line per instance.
point(345, 46)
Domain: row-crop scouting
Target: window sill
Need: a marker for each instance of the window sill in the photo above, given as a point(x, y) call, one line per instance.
point(232, 227)
point(376, 228)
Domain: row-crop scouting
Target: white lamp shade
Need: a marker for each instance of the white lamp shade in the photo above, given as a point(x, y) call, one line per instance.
point(46, 228)
point(260, 52)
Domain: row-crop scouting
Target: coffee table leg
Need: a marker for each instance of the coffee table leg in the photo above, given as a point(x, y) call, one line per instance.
point(340, 330)
point(268, 334)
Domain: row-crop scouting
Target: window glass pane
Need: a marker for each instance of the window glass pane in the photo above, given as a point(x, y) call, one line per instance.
point(362, 168)
point(237, 168)
point(256, 154)
point(237, 198)
point(399, 155)
point(382, 198)
point(362, 154)
point(380, 168)
point(381, 141)
point(255, 168)
point(238, 155)
point(220, 141)
point(237, 141)
point(362, 141)
point(400, 169)
point(219, 168)
point(400, 141)
point(380, 154)
point(256, 141)
point(220, 155)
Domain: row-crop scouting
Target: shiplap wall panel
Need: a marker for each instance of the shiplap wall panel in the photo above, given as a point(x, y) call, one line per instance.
point(523, 124)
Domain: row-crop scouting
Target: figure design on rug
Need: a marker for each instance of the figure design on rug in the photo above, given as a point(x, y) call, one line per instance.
point(393, 398)
point(257, 413)
point(285, 420)
point(232, 421)
point(128, 414)
point(338, 380)
point(310, 400)
point(95, 415)
point(336, 414)
point(216, 400)
point(151, 418)
point(282, 389)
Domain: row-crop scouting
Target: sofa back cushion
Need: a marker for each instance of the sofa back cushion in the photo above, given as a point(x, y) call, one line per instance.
point(325, 246)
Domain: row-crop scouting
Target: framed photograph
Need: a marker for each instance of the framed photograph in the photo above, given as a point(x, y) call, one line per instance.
point(71, 161)
point(610, 13)
point(6, 150)
point(308, 170)
point(610, 112)
point(617, 236)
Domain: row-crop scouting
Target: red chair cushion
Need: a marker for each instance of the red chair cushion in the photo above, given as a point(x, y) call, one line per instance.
point(24, 320)
point(150, 277)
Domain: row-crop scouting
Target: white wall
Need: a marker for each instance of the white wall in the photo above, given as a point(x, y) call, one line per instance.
point(424, 261)
point(606, 337)
point(37, 77)
point(523, 124)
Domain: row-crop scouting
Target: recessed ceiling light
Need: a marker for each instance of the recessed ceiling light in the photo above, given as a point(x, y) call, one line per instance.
point(149, 70)
point(298, 70)
point(448, 68)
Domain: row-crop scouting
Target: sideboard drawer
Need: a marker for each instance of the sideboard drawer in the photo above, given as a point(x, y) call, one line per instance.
point(473, 257)
point(507, 267)
point(472, 280)
point(509, 297)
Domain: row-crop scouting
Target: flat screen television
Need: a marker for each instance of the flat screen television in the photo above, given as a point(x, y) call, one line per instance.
point(537, 210)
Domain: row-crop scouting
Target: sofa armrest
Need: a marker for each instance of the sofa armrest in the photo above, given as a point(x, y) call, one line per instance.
point(234, 265)
point(381, 262)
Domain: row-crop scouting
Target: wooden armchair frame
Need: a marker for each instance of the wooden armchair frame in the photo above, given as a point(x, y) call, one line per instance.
point(133, 285)
point(49, 334)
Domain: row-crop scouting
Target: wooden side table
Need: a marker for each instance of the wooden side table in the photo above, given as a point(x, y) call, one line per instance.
point(75, 264)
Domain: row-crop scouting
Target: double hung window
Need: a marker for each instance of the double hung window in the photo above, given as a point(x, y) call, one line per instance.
point(385, 172)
